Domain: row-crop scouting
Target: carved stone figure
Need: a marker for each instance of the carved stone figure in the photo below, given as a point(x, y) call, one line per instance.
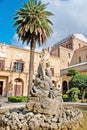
point(44, 97)
point(43, 81)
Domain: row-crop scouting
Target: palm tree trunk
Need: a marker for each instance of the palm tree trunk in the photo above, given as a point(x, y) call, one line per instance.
point(31, 65)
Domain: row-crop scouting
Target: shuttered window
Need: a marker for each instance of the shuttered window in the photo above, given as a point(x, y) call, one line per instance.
point(18, 67)
point(2, 64)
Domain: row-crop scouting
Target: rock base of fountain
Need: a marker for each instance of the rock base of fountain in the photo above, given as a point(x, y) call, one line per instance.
point(19, 119)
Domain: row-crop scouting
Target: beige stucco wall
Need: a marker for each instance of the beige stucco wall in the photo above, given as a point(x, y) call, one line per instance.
point(12, 54)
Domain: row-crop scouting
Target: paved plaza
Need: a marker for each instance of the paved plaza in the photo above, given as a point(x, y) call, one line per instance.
point(4, 104)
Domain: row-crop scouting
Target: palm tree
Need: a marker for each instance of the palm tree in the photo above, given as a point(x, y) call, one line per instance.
point(33, 26)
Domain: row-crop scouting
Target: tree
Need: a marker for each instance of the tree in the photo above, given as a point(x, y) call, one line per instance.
point(79, 81)
point(73, 94)
point(72, 72)
point(33, 26)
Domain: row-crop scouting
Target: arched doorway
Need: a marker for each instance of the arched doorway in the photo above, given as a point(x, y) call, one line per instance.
point(1, 88)
point(18, 87)
point(64, 87)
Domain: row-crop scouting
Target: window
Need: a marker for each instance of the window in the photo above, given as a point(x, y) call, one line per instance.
point(2, 64)
point(69, 45)
point(68, 63)
point(18, 67)
point(69, 55)
point(79, 59)
point(52, 71)
point(79, 45)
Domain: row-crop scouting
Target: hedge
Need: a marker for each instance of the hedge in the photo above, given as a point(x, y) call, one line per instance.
point(17, 99)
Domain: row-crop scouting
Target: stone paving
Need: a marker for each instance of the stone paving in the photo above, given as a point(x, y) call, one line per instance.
point(82, 106)
point(5, 104)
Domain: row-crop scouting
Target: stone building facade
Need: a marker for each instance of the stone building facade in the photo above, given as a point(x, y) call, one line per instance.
point(14, 70)
point(72, 52)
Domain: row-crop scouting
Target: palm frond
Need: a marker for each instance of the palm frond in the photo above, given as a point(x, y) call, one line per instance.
point(32, 22)
point(48, 13)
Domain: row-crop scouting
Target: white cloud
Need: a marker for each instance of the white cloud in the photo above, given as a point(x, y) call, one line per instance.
point(70, 16)
point(15, 41)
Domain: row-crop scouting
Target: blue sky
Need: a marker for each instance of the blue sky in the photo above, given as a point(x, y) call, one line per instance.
point(70, 16)
point(7, 10)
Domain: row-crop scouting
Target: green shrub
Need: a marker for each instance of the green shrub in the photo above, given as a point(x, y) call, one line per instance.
point(72, 72)
point(18, 98)
point(14, 99)
point(65, 98)
point(79, 81)
point(24, 98)
point(73, 94)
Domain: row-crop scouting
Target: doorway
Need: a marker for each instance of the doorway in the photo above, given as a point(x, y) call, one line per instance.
point(18, 87)
point(64, 87)
point(1, 88)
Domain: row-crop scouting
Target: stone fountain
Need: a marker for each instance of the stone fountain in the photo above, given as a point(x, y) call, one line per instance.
point(44, 109)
